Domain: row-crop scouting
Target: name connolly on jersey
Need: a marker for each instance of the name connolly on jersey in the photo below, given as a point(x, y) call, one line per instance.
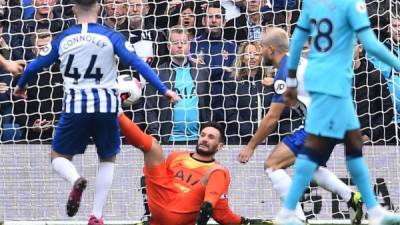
point(89, 38)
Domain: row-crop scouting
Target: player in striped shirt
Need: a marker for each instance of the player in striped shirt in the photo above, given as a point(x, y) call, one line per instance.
point(331, 118)
point(91, 101)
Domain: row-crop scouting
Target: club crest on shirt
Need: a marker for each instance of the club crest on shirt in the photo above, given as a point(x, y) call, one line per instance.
point(129, 46)
point(361, 7)
point(280, 87)
point(45, 50)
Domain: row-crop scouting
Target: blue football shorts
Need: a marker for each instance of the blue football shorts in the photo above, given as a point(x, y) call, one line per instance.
point(74, 131)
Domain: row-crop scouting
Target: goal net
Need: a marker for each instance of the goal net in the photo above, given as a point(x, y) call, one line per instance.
point(224, 52)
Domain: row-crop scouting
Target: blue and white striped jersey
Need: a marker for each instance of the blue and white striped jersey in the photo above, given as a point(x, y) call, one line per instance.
point(303, 98)
point(87, 54)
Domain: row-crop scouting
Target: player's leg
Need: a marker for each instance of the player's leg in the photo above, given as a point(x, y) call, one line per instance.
point(359, 173)
point(64, 167)
point(330, 182)
point(316, 151)
point(324, 128)
point(152, 151)
point(282, 157)
point(104, 178)
point(159, 181)
point(358, 168)
point(105, 133)
point(70, 138)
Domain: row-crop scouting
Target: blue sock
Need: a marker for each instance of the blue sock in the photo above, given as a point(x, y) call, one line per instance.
point(359, 173)
point(303, 173)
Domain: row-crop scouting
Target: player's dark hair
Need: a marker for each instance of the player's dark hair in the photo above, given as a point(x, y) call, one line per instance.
point(217, 126)
point(85, 2)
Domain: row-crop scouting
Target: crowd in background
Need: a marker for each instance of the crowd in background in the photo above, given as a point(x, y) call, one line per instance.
point(223, 76)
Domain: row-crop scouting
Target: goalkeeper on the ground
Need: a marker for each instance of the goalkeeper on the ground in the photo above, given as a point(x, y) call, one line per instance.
point(188, 187)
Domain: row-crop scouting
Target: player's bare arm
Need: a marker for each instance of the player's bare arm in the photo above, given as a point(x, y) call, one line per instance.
point(275, 48)
point(267, 125)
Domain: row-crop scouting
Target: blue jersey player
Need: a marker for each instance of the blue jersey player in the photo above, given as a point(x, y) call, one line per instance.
point(275, 48)
point(333, 26)
point(91, 101)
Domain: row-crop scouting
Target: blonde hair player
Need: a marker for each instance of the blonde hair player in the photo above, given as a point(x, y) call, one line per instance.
point(275, 49)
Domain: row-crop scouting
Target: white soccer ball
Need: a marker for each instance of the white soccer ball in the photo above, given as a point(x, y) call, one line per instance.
point(130, 90)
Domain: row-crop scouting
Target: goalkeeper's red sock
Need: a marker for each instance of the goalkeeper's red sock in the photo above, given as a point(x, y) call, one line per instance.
point(134, 135)
point(216, 185)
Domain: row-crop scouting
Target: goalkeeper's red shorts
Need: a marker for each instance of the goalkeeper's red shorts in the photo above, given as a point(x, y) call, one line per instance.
point(168, 204)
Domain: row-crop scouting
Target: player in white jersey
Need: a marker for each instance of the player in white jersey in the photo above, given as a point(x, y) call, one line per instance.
point(91, 101)
point(275, 48)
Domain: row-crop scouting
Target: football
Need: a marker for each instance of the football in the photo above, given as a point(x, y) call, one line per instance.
point(130, 90)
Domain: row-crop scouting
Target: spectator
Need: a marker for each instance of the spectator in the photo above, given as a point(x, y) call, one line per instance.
point(279, 13)
point(393, 79)
point(11, 29)
point(187, 17)
point(29, 10)
point(167, 12)
point(246, 98)
point(64, 9)
point(373, 102)
point(43, 105)
point(181, 123)
point(115, 15)
point(247, 26)
point(150, 44)
point(144, 36)
point(232, 9)
point(10, 48)
point(379, 15)
point(211, 49)
point(45, 17)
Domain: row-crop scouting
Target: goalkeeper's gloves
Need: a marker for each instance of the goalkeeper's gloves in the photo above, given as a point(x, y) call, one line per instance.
point(247, 221)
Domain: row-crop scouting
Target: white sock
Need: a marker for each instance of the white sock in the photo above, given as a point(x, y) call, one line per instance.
point(281, 184)
point(65, 169)
point(329, 181)
point(104, 180)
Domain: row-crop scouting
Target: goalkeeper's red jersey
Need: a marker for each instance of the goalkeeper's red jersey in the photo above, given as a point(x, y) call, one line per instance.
point(175, 192)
